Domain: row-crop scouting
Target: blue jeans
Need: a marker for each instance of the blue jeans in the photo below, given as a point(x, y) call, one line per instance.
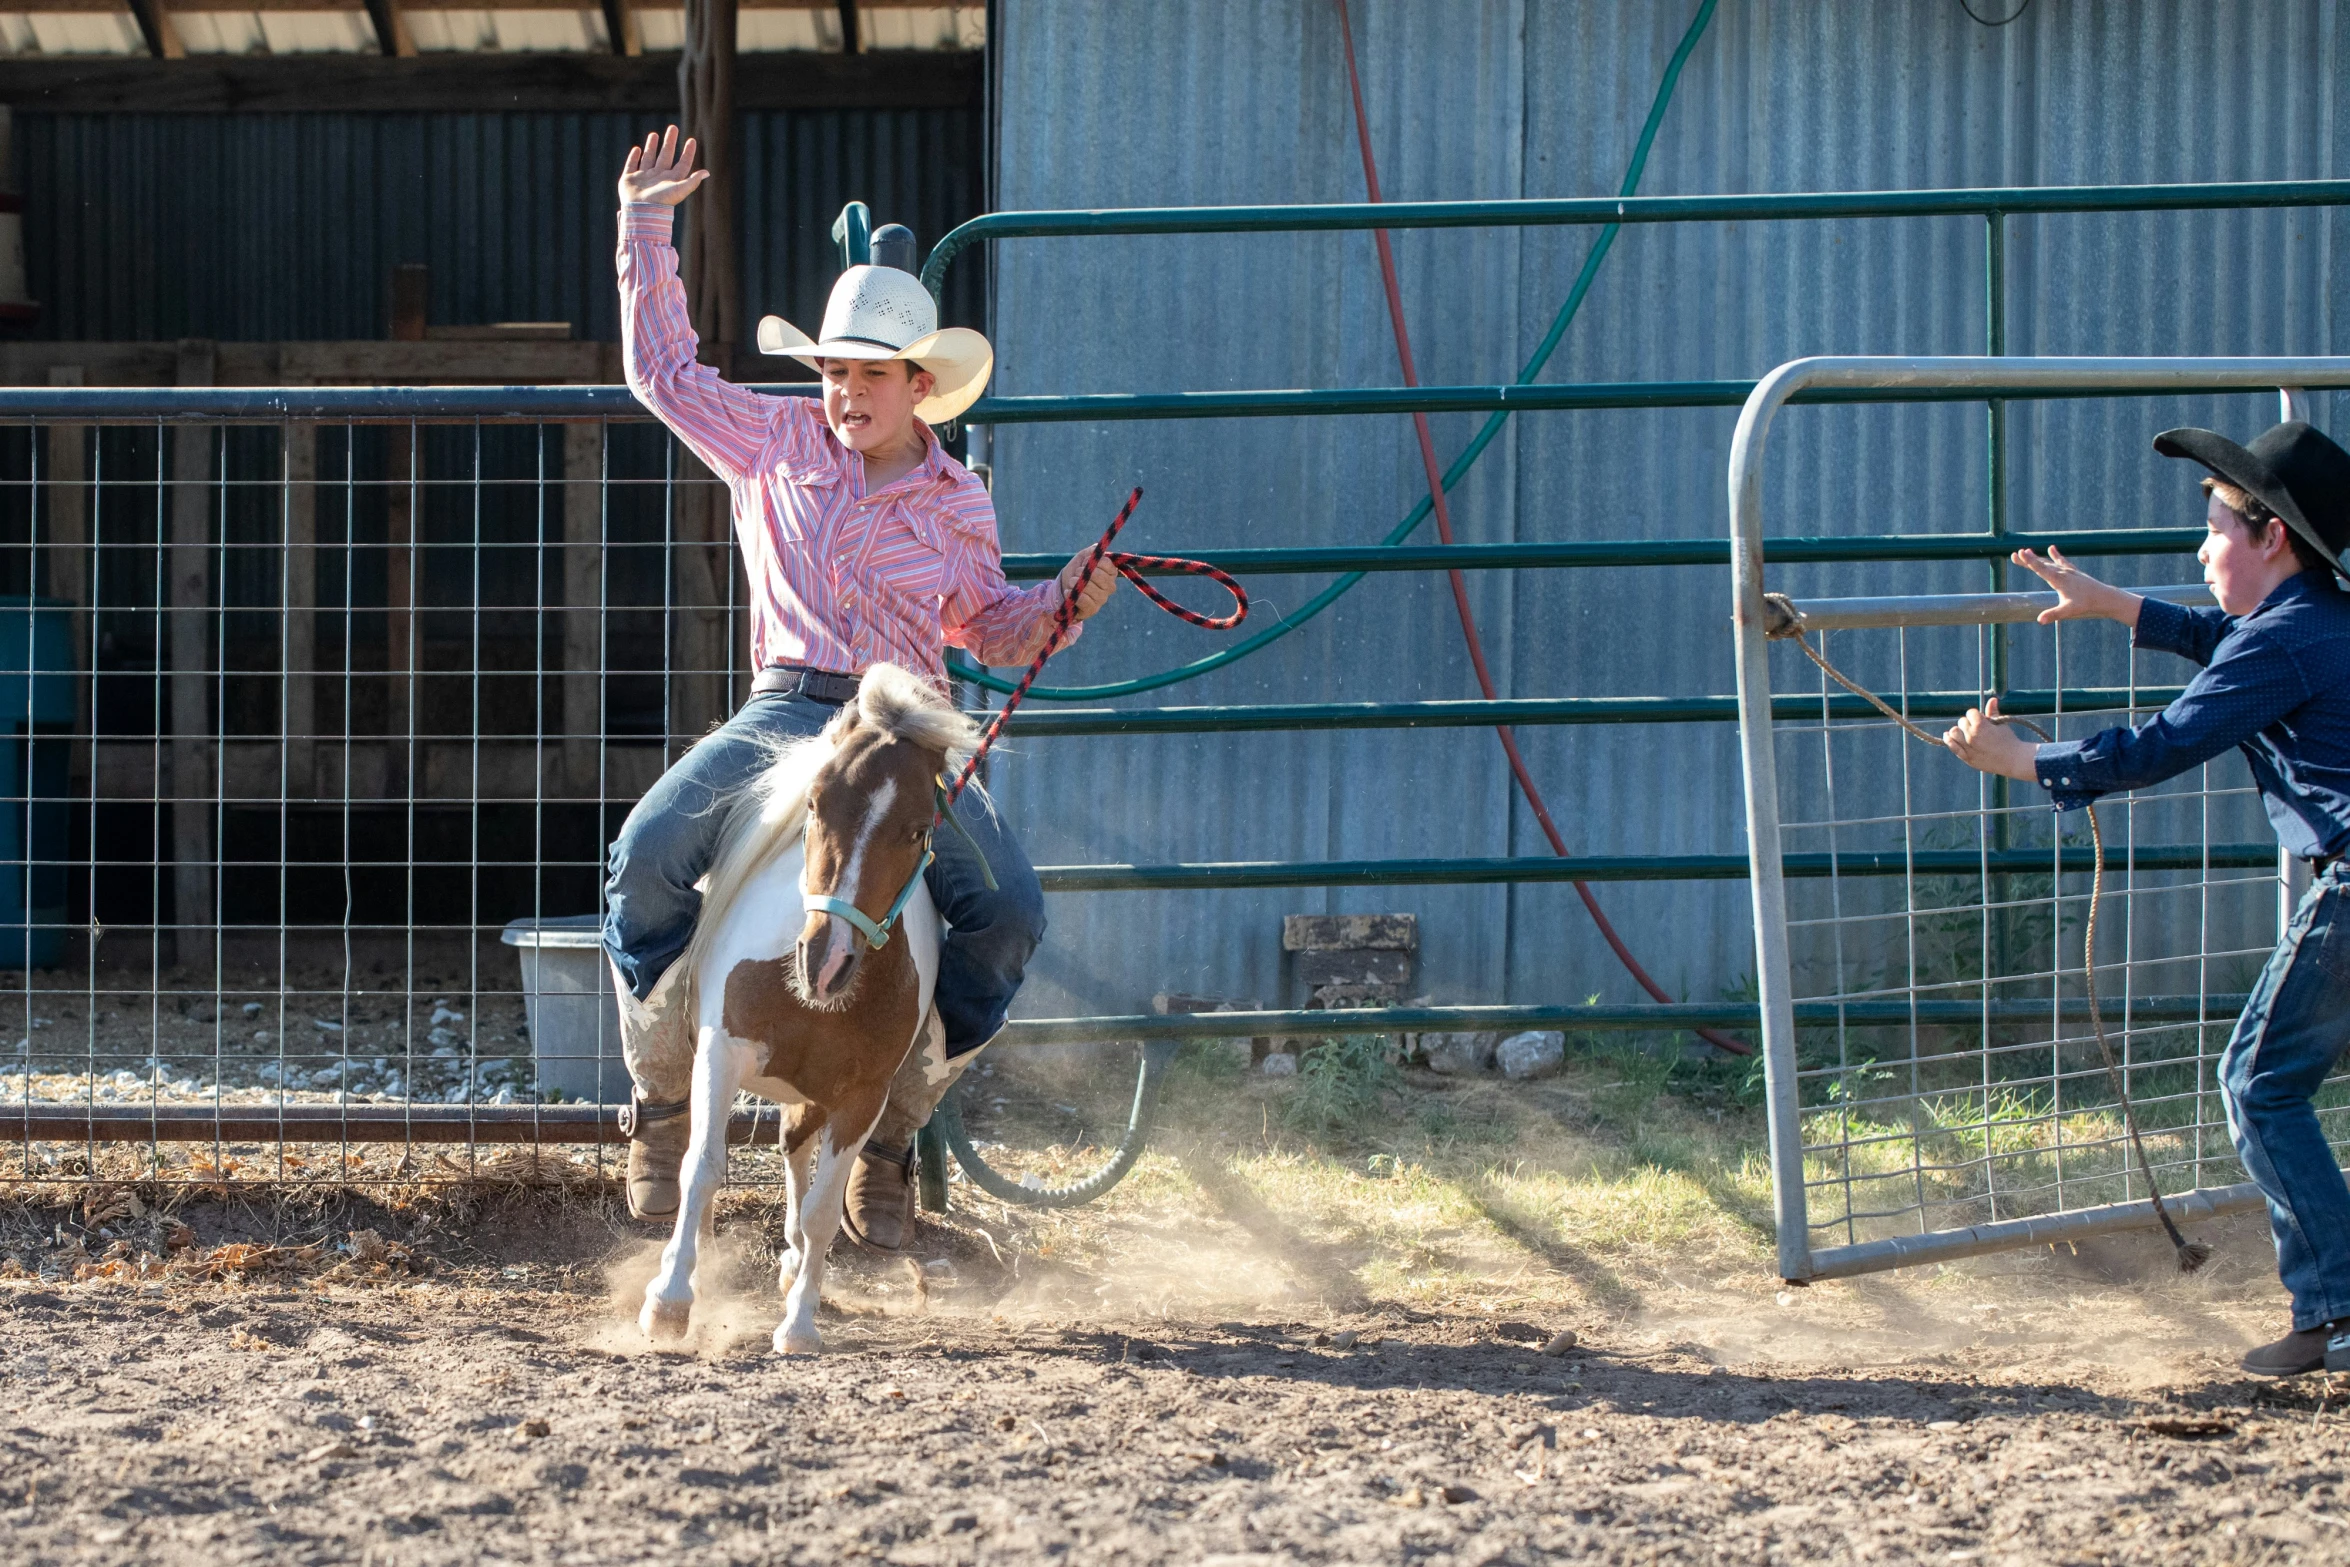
point(665, 846)
point(2292, 1031)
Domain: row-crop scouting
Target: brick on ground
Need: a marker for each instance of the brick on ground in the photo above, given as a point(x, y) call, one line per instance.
point(1350, 932)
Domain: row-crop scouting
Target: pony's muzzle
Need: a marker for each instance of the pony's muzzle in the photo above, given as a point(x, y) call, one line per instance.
point(829, 952)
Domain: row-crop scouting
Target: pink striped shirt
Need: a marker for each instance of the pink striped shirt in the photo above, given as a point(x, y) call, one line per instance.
point(841, 579)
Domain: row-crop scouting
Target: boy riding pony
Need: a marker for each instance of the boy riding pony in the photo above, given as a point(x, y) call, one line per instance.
point(865, 543)
point(2276, 686)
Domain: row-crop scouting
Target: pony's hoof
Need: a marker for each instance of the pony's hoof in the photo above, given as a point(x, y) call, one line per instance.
point(787, 1272)
point(798, 1341)
point(664, 1321)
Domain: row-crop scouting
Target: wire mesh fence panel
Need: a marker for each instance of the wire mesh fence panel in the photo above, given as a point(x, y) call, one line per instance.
point(313, 734)
point(1946, 1064)
point(317, 732)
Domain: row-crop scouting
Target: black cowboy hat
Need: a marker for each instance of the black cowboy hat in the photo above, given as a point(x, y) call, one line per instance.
point(2292, 469)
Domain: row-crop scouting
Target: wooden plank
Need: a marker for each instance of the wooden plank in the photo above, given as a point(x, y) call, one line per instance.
point(450, 774)
point(583, 597)
point(465, 83)
point(440, 362)
point(411, 312)
point(98, 364)
point(299, 602)
point(400, 465)
point(65, 463)
point(193, 655)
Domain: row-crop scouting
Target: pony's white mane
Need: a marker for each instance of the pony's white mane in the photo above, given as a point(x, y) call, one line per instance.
point(769, 814)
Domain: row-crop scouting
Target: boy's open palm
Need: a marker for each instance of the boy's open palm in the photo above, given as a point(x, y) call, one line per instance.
point(2079, 596)
point(661, 170)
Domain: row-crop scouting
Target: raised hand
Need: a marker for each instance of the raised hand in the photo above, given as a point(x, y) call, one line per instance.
point(2079, 596)
point(661, 171)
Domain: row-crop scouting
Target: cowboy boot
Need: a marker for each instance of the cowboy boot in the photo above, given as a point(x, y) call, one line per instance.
point(658, 1047)
point(880, 1211)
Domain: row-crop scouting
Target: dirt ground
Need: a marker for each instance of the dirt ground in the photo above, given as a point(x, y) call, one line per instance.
point(434, 1378)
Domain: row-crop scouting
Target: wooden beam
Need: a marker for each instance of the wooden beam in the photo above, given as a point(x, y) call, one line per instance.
point(163, 39)
point(194, 655)
point(463, 83)
point(621, 29)
point(391, 29)
point(439, 362)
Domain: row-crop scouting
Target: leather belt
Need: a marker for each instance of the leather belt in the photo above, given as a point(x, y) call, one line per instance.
point(817, 685)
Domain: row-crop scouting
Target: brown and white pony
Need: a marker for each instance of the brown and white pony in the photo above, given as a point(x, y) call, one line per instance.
point(795, 1002)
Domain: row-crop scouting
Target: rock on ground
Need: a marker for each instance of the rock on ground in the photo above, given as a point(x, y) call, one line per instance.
point(1536, 1053)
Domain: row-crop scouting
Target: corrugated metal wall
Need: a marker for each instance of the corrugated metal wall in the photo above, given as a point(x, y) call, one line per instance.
point(258, 227)
point(1222, 101)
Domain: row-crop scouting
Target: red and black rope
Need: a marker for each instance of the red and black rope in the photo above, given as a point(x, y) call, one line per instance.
point(1131, 567)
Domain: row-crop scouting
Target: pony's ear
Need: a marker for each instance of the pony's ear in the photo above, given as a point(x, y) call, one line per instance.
point(843, 724)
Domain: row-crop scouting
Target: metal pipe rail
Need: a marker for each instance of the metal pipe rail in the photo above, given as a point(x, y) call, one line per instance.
point(362, 1123)
point(397, 405)
point(1521, 870)
point(1574, 553)
point(1593, 211)
point(1752, 621)
point(1957, 609)
point(1517, 711)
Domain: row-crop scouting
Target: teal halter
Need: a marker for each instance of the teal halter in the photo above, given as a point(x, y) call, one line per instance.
point(876, 932)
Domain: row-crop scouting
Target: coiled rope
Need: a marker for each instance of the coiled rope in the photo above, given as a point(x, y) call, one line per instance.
point(1131, 567)
point(1783, 623)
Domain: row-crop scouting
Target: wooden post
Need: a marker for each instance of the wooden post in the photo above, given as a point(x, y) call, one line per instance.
point(65, 470)
point(410, 300)
point(623, 31)
point(299, 601)
point(708, 264)
point(709, 268)
point(193, 657)
point(583, 597)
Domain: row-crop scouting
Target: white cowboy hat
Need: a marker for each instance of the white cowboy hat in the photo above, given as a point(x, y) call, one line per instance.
point(883, 313)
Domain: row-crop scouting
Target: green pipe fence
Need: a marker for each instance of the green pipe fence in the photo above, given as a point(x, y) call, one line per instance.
point(1594, 211)
point(2071, 860)
point(1479, 714)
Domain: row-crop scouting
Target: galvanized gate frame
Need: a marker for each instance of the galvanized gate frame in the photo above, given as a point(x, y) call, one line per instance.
point(1908, 379)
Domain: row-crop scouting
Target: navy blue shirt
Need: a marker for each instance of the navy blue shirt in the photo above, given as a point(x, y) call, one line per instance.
point(2275, 684)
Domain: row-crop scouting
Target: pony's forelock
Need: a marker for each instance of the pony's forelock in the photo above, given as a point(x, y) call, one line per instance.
point(907, 707)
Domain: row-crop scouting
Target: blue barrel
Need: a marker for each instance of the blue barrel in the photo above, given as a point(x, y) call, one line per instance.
point(36, 726)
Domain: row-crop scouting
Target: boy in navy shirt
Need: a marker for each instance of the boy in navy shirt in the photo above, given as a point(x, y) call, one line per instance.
point(2275, 685)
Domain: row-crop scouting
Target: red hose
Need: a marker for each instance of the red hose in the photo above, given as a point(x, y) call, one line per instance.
point(1460, 589)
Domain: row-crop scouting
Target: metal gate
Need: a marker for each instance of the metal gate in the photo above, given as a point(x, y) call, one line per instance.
point(1934, 1089)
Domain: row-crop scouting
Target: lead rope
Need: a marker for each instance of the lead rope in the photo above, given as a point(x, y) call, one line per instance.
point(1785, 623)
point(1131, 567)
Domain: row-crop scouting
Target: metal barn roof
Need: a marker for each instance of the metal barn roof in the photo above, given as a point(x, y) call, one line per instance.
point(264, 27)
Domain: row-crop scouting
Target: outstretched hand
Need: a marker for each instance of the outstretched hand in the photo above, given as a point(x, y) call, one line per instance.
point(2079, 596)
point(661, 170)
